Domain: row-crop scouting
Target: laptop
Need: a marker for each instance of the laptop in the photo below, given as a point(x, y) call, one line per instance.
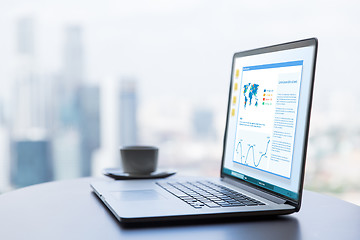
point(264, 147)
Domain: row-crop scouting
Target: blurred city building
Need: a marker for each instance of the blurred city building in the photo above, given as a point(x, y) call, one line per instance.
point(89, 119)
point(62, 107)
point(2, 113)
point(32, 162)
point(71, 77)
point(78, 106)
point(30, 143)
point(128, 112)
point(67, 154)
point(73, 62)
point(29, 90)
point(4, 158)
point(203, 124)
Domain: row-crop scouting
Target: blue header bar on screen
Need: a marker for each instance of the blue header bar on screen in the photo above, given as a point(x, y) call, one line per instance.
point(274, 65)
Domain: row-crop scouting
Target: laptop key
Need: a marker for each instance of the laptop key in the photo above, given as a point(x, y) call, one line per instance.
point(225, 205)
point(237, 204)
point(197, 207)
point(212, 204)
point(251, 204)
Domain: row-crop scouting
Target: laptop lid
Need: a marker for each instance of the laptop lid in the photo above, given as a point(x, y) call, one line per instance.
point(268, 117)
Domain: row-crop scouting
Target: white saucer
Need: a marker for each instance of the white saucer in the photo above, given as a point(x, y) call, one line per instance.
point(118, 174)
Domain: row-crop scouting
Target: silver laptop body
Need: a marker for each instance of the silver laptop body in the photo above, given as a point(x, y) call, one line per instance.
point(264, 148)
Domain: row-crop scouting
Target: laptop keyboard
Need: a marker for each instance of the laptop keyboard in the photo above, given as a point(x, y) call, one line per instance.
point(201, 194)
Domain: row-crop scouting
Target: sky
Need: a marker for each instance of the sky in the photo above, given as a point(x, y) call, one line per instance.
point(185, 47)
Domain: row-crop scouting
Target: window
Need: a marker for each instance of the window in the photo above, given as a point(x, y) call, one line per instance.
point(79, 79)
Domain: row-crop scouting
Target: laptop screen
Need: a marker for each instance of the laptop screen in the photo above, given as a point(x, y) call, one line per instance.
point(268, 116)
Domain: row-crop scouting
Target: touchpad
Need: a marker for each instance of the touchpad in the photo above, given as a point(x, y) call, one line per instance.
point(136, 195)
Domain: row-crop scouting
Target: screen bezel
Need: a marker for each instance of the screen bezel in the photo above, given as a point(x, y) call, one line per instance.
point(270, 49)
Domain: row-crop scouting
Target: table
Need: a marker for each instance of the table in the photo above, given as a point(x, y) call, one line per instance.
point(70, 210)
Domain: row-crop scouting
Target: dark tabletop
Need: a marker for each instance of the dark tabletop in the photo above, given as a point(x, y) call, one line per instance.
point(70, 210)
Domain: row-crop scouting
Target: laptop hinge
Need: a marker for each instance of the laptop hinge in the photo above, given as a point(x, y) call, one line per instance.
point(255, 191)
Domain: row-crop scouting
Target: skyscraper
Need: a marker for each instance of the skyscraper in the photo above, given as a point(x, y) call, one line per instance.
point(203, 124)
point(67, 155)
point(32, 103)
point(4, 158)
point(128, 113)
point(72, 76)
point(78, 112)
point(32, 162)
point(26, 113)
point(89, 119)
point(2, 113)
point(32, 92)
point(74, 56)
point(30, 144)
